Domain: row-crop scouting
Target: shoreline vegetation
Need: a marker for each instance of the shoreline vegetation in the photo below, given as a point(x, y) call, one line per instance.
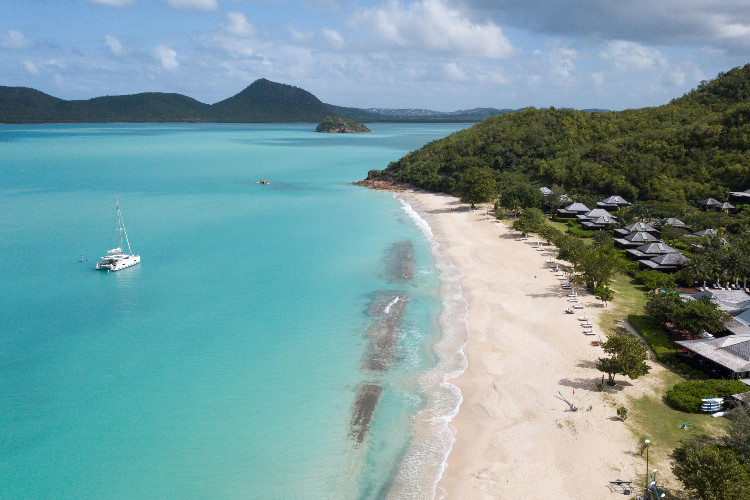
point(511, 430)
point(524, 350)
point(340, 125)
point(262, 101)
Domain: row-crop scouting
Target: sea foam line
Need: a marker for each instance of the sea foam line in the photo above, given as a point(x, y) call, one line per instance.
point(426, 459)
point(387, 309)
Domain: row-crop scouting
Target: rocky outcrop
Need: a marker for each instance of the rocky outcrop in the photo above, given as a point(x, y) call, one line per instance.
point(337, 124)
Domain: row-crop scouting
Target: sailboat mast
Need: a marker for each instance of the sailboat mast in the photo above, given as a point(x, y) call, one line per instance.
point(121, 223)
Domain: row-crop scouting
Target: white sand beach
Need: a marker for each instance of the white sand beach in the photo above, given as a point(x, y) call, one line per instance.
point(514, 437)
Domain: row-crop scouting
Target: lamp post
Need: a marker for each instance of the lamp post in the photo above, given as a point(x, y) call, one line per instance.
point(647, 443)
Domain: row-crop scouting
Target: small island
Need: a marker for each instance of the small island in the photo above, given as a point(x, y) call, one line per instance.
point(337, 124)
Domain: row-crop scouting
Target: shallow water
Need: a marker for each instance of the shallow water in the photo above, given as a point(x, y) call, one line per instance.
point(226, 364)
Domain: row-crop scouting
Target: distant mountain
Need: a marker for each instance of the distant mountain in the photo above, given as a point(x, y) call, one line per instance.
point(261, 102)
point(25, 105)
point(476, 114)
point(146, 107)
point(419, 115)
point(266, 101)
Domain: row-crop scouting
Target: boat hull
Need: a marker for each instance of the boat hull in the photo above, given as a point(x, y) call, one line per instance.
point(118, 264)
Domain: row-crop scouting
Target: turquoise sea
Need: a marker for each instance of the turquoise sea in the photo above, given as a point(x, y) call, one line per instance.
point(228, 363)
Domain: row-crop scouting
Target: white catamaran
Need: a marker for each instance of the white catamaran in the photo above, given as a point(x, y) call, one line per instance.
point(116, 259)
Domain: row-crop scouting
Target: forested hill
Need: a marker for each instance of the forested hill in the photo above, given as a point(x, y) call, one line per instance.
point(266, 101)
point(263, 101)
point(692, 148)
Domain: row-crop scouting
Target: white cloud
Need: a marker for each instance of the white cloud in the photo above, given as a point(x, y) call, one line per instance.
point(453, 72)
point(194, 4)
point(561, 62)
point(236, 47)
point(31, 68)
point(300, 36)
point(433, 25)
point(115, 46)
point(334, 37)
point(166, 56)
point(238, 25)
point(632, 56)
point(13, 39)
point(112, 3)
point(731, 31)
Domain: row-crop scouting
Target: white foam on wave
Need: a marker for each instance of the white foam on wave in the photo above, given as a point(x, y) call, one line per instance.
point(387, 309)
point(425, 460)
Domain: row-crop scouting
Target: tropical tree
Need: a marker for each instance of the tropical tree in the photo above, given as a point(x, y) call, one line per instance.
point(518, 194)
point(603, 293)
point(711, 472)
point(594, 266)
point(702, 266)
point(697, 316)
point(557, 199)
point(663, 306)
point(738, 433)
point(628, 357)
point(531, 220)
point(569, 247)
point(477, 185)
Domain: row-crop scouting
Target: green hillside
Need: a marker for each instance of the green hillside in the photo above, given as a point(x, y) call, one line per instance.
point(338, 124)
point(146, 107)
point(263, 101)
point(266, 101)
point(692, 148)
point(25, 105)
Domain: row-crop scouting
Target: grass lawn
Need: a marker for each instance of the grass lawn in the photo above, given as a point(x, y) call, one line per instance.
point(650, 418)
point(560, 226)
point(629, 299)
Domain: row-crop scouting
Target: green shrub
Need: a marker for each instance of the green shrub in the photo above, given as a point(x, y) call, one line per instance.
point(581, 233)
point(622, 413)
point(557, 218)
point(656, 337)
point(653, 280)
point(686, 396)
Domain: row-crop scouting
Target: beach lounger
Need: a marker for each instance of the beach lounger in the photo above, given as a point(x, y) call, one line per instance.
point(578, 306)
point(586, 325)
point(583, 318)
point(588, 332)
point(573, 299)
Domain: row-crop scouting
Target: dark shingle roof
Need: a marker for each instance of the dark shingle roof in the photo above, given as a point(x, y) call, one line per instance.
point(732, 352)
point(640, 236)
point(640, 226)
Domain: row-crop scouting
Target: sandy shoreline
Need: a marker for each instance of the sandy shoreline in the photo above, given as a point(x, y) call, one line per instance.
point(513, 436)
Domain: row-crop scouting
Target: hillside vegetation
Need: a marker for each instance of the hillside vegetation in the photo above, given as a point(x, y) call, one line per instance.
point(262, 101)
point(338, 124)
point(692, 148)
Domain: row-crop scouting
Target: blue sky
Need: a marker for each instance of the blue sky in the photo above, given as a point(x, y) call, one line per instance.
point(435, 54)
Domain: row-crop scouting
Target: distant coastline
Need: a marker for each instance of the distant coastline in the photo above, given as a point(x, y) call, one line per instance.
point(261, 102)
